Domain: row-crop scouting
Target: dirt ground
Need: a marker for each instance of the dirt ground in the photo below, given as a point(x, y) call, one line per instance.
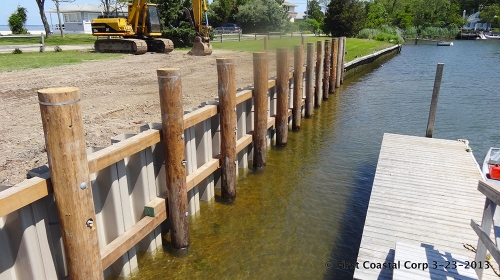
point(117, 96)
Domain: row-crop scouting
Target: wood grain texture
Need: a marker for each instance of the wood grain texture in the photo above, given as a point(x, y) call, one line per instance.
point(68, 165)
point(326, 69)
point(260, 76)
point(309, 80)
point(318, 93)
point(282, 91)
point(333, 72)
point(226, 75)
point(434, 100)
point(297, 87)
point(170, 90)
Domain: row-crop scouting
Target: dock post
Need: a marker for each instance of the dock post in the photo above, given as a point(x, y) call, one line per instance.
point(170, 89)
point(434, 101)
point(318, 96)
point(69, 171)
point(326, 70)
point(342, 60)
point(260, 77)
point(282, 81)
point(333, 72)
point(226, 74)
point(266, 37)
point(309, 80)
point(297, 87)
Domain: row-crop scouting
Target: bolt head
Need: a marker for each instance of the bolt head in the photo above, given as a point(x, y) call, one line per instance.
point(83, 185)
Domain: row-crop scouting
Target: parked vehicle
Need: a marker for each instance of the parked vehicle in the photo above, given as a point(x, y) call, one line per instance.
point(228, 28)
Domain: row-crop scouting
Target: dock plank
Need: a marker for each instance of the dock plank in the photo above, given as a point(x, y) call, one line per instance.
point(424, 195)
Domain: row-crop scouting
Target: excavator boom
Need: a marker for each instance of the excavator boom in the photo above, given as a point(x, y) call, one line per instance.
point(201, 45)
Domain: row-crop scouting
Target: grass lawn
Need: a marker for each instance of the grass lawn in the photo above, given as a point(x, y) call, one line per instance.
point(29, 60)
point(354, 47)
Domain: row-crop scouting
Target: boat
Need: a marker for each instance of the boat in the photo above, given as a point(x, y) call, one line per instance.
point(443, 43)
point(492, 36)
point(491, 165)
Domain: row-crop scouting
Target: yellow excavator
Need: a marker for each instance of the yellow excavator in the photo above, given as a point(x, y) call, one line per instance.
point(141, 29)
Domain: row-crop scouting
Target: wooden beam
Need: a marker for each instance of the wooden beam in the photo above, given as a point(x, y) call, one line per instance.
point(492, 248)
point(199, 115)
point(24, 193)
point(130, 238)
point(243, 96)
point(202, 173)
point(243, 142)
point(490, 190)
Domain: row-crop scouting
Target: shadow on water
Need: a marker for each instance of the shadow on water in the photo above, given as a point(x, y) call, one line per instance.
point(345, 252)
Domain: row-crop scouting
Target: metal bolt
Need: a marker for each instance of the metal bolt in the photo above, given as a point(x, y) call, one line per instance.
point(182, 136)
point(89, 223)
point(235, 109)
point(235, 162)
point(183, 162)
point(83, 185)
point(186, 214)
point(235, 128)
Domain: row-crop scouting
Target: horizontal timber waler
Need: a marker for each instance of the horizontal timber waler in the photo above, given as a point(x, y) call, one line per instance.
point(115, 197)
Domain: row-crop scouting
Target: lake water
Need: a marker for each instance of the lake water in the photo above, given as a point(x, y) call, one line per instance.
point(304, 213)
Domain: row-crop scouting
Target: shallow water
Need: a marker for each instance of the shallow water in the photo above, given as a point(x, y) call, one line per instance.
point(302, 215)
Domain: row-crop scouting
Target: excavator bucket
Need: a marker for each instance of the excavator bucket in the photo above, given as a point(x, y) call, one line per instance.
point(200, 48)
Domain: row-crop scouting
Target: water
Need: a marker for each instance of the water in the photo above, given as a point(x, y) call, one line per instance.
point(303, 214)
point(29, 27)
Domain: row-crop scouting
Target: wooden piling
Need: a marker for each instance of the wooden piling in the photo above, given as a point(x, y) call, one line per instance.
point(326, 70)
point(260, 77)
point(297, 87)
point(303, 40)
point(170, 89)
point(342, 60)
point(434, 101)
point(69, 172)
point(282, 81)
point(309, 80)
point(333, 72)
point(318, 95)
point(265, 42)
point(226, 74)
point(340, 64)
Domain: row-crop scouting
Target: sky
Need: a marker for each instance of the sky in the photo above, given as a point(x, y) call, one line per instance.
point(10, 6)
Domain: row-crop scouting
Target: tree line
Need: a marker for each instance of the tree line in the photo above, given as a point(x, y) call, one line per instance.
point(335, 17)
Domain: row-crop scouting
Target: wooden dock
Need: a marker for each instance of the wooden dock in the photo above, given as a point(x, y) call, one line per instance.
point(423, 197)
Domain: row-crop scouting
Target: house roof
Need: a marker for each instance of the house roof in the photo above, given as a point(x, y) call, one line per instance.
point(289, 4)
point(72, 8)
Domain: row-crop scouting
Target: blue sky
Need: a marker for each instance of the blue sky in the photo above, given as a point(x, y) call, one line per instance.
point(10, 6)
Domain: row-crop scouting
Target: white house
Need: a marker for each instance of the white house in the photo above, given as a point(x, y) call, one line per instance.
point(290, 8)
point(76, 18)
point(473, 22)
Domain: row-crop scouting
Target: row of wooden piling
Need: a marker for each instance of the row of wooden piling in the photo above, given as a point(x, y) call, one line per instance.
point(67, 157)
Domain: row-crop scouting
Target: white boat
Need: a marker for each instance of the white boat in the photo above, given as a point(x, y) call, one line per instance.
point(492, 161)
point(492, 36)
point(443, 43)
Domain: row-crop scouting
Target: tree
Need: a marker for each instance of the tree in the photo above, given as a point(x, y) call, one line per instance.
point(262, 16)
point(41, 4)
point(17, 21)
point(377, 16)
point(113, 6)
point(491, 14)
point(222, 11)
point(315, 12)
point(344, 18)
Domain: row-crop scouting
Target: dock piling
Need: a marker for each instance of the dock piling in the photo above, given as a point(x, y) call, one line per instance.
point(67, 156)
point(318, 96)
point(170, 89)
point(226, 74)
point(282, 85)
point(297, 87)
point(333, 71)
point(326, 70)
point(434, 101)
point(309, 80)
point(260, 76)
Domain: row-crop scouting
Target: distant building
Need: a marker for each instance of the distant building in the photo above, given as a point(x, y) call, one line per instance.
point(290, 8)
point(473, 23)
point(77, 18)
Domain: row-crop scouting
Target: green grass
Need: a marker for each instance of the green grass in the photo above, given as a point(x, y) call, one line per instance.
point(29, 60)
point(56, 40)
point(355, 47)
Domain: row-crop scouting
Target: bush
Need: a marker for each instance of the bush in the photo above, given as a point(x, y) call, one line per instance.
point(17, 20)
point(385, 34)
point(17, 51)
point(181, 36)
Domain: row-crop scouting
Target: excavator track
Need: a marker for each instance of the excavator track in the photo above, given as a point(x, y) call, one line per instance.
point(132, 46)
point(160, 45)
